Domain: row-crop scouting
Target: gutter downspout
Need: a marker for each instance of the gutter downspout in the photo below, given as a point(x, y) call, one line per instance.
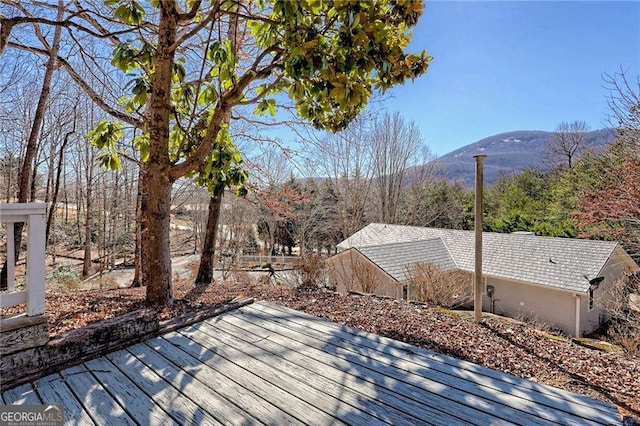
point(577, 332)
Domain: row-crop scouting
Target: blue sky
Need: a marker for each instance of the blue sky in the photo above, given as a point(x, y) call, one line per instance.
point(503, 66)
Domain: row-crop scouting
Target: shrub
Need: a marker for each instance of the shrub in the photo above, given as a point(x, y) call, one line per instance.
point(65, 277)
point(309, 273)
point(242, 277)
point(621, 301)
point(432, 284)
point(348, 271)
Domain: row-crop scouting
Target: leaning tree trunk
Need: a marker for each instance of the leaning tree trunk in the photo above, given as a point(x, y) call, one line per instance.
point(137, 261)
point(56, 183)
point(88, 223)
point(32, 143)
point(205, 271)
point(156, 204)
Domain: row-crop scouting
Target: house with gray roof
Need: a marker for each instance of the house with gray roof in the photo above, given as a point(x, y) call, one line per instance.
point(558, 281)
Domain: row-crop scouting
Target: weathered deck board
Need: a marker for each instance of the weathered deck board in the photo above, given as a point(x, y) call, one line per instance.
point(293, 404)
point(171, 400)
point(373, 384)
point(52, 390)
point(351, 407)
point(170, 360)
point(21, 395)
point(351, 338)
point(130, 397)
point(206, 395)
point(552, 409)
point(98, 403)
point(267, 364)
point(467, 407)
point(372, 407)
point(369, 395)
point(463, 369)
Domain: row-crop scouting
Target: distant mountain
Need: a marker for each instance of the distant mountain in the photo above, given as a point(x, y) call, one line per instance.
point(507, 153)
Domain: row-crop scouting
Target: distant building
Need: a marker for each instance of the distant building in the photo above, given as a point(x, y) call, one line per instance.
point(558, 281)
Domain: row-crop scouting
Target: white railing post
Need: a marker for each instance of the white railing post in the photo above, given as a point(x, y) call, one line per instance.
point(33, 215)
point(11, 258)
point(36, 259)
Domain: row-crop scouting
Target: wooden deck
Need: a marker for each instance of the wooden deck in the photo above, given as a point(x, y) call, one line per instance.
point(266, 364)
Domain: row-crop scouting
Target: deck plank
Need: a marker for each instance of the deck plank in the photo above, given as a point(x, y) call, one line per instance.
point(52, 390)
point(95, 399)
point(553, 404)
point(367, 410)
point(295, 386)
point(219, 408)
point(181, 408)
point(397, 348)
point(443, 411)
point(136, 403)
point(493, 403)
point(293, 404)
point(21, 395)
point(275, 356)
point(324, 366)
point(170, 362)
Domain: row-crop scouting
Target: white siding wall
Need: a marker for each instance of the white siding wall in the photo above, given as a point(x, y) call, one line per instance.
point(550, 306)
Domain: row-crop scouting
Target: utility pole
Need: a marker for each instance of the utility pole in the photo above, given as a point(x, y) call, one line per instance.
point(477, 288)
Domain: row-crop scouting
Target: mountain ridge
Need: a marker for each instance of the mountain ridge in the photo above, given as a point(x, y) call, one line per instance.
point(508, 152)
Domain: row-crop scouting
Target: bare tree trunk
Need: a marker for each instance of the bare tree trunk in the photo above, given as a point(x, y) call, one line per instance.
point(205, 270)
point(137, 275)
point(88, 224)
point(113, 235)
point(32, 141)
point(56, 184)
point(9, 176)
point(66, 199)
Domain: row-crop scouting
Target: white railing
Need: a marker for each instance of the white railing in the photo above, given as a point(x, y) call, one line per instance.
point(32, 214)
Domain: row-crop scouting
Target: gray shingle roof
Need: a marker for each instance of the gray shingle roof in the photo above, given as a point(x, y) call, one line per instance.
point(396, 258)
point(553, 262)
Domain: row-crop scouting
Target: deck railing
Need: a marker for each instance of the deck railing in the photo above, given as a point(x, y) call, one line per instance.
point(33, 215)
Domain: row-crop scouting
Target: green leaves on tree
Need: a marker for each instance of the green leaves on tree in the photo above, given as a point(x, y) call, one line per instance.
point(128, 11)
point(336, 53)
point(266, 105)
point(141, 143)
point(208, 95)
point(223, 168)
point(106, 134)
point(110, 160)
point(105, 137)
point(127, 56)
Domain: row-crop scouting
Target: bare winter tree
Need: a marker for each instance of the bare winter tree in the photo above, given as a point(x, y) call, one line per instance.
point(345, 160)
point(396, 145)
point(624, 106)
point(567, 144)
point(272, 169)
point(27, 169)
point(609, 204)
